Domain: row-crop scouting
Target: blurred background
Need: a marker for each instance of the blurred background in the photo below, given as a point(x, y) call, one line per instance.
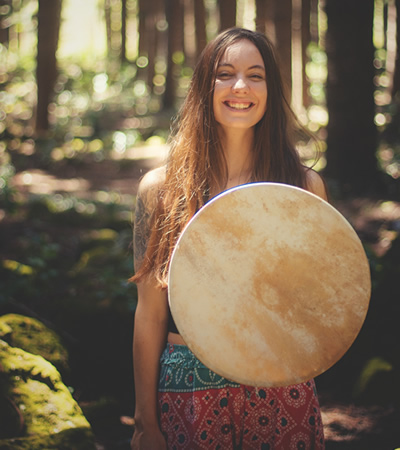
point(88, 91)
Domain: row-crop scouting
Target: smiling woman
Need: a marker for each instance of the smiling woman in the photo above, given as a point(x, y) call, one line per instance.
point(235, 127)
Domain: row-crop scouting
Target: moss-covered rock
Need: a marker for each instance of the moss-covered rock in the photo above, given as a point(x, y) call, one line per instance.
point(32, 336)
point(71, 439)
point(52, 418)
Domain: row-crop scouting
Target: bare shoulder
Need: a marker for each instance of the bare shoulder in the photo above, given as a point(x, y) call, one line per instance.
point(150, 185)
point(146, 203)
point(316, 184)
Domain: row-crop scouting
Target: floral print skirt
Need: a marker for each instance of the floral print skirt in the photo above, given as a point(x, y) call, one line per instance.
point(201, 410)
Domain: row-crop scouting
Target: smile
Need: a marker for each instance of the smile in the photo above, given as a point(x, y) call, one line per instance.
point(239, 106)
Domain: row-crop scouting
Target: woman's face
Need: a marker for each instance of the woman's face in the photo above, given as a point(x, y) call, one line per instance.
point(240, 91)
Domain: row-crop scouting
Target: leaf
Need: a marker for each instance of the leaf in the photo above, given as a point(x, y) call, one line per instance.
point(370, 370)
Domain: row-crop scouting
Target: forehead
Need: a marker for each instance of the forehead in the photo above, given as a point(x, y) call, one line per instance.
point(242, 52)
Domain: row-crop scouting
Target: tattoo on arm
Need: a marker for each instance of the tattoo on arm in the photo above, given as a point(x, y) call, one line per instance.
point(141, 232)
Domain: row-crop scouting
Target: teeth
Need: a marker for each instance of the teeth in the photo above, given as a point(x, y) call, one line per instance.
point(239, 105)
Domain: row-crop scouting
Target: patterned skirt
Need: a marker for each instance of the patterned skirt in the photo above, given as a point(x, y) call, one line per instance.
point(202, 410)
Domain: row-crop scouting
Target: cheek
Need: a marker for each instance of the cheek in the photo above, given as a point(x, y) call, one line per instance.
point(214, 102)
point(265, 99)
point(218, 91)
point(219, 87)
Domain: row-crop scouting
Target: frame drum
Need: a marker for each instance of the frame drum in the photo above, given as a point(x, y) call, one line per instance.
point(269, 285)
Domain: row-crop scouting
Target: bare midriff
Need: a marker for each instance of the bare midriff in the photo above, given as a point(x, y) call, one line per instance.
point(175, 338)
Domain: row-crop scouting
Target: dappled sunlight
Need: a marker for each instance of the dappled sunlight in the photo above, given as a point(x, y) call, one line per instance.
point(389, 160)
point(353, 425)
point(40, 182)
point(90, 182)
point(83, 33)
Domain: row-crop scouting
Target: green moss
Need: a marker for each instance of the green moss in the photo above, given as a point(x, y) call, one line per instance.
point(47, 407)
point(32, 336)
point(71, 439)
point(5, 330)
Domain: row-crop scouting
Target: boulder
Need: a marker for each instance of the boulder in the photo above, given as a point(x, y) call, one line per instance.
point(49, 417)
point(34, 337)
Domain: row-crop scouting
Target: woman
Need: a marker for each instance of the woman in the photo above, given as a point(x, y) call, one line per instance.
point(235, 127)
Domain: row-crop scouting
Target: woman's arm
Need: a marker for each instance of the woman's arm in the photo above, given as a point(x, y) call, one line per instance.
point(150, 331)
point(148, 343)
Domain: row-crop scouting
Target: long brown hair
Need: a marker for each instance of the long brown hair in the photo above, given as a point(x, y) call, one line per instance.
point(196, 161)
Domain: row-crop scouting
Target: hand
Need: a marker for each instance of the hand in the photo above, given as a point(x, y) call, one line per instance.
point(150, 440)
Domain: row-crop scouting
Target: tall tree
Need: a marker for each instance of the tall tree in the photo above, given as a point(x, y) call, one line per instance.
point(107, 16)
point(174, 16)
point(314, 13)
point(5, 11)
point(123, 30)
point(352, 135)
point(283, 36)
point(396, 76)
point(200, 25)
point(305, 41)
point(227, 14)
point(143, 12)
point(49, 14)
point(261, 15)
point(151, 12)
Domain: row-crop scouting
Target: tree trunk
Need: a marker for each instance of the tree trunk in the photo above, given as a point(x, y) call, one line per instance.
point(305, 41)
point(4, 26)
point(200, 25)
point(107, 16)
point(174, 12)
point(123, 31)
point(283, 33)
point(396, 76)
point(149, 11)
point(352, 135)
point(227, 14)
point(314, 13)
point(158, 36)
point(261, 16)
point(270, 21)
point(142, 16)
point(49, 14)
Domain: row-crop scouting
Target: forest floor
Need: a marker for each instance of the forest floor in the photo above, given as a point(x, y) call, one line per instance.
point(347, 426)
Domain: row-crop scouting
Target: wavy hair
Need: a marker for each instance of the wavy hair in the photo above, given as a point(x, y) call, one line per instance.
point(196, 162)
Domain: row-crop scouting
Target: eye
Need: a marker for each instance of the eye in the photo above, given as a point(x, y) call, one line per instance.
point(256, 76)
point(223, 75)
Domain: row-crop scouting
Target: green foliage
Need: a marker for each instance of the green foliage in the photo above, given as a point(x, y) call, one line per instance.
point(370, 370)
point(68, 260)
point(7, 192)
point(94, 115)
point(68, 252)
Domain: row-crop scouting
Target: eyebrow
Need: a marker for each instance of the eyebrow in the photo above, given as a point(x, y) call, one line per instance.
point(256, 66)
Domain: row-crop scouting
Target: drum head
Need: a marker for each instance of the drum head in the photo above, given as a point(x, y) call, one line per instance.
point(269, 285)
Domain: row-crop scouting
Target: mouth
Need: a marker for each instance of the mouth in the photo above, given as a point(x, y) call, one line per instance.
point(239, 106)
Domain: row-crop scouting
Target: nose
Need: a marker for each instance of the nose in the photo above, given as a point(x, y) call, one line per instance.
point(240, 84)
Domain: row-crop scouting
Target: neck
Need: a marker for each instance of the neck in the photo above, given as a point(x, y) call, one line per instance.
point(238, 147)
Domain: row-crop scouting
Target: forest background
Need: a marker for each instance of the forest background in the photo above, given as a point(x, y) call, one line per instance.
point(88, 90)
